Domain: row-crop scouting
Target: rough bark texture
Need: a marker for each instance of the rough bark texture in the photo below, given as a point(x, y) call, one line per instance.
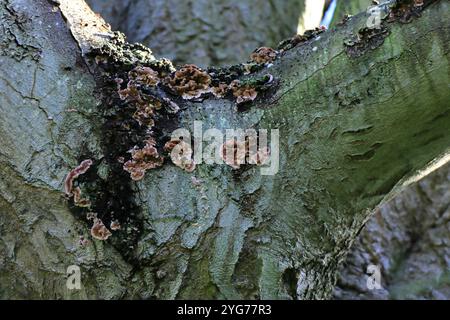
point(352, 126)
point(409, 239)
point(203, 32)
point(397, 237)
point(353, 274)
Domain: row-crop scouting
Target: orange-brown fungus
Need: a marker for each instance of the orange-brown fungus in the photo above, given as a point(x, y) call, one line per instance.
point(242, 92)
point(190, 82)
point(99, 230)
point(143, 159)
point(264, 55)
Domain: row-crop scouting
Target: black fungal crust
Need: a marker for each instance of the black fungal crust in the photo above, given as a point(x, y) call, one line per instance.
point(402, 11)
point(112, 195)
point(366, 39)
point(248, 74)
point(106, 184)
point(298, 39)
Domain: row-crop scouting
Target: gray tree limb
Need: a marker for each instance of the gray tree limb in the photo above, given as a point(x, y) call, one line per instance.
point(352, 123)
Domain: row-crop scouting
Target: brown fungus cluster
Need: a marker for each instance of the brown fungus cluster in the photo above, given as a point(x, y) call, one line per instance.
point(243, 92)
point(138, 93)
point(233, 153)
point(264, 55)
point(115, 225)
point(78, 200)
point(143, 159)
point(190, 82)
point(129, 82)
point(75, 173)
point(220, 90)
point(405, 10)
point(145, 104)
point(144, 76)
point(99, 231)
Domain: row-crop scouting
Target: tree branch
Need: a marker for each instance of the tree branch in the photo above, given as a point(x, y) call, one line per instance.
point(354, 120)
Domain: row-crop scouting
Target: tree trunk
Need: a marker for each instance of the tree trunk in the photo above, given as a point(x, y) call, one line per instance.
point(354, 120)
point(205, 32)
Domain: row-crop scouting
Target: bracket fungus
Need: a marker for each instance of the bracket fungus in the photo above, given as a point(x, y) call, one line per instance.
point(144, 76)
point(190, 82)
point(234, 153)
point(99, 230)
point(264, 55)
point(220, 90)
point(115, 225)
point(78, 200)
point(75, 192)
point(143, 159)
point(242, 92)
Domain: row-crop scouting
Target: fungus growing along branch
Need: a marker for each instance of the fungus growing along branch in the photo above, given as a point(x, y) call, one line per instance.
point(347, 138)
point(353, 123)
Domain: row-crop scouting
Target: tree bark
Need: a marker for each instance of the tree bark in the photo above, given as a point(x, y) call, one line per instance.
point(204, 32)
point(408, 239)
point(397, 237)
point(355, 267)
point(353, 123)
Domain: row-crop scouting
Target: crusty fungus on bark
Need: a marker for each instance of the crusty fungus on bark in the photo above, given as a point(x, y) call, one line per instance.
point(243, 92)
point(115, 225)
point(190, 82)
point(264, 55)
point(371, 37)
point(99, 231)
point(366, 39)
point(143, 159)
point(298, 39)
point(405, 10)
